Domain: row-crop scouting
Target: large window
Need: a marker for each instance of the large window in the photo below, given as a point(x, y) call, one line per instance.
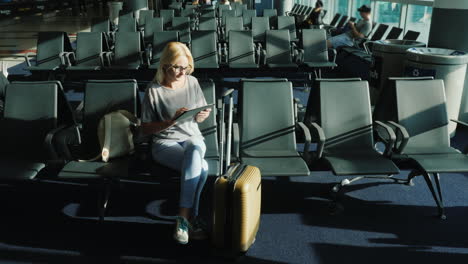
point(342, 7)
point(357, 4)
point(387, 13)
point(419, 19)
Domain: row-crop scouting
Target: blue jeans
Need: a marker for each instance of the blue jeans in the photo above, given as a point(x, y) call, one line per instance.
point(341, 40)
point(188, 158)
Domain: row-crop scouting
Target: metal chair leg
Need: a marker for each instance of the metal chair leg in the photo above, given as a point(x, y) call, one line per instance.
point(104, 199)
point(411, 176)
point(437, 199)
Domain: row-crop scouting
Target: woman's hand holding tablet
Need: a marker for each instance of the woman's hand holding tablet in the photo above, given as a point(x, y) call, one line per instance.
point(188, 114)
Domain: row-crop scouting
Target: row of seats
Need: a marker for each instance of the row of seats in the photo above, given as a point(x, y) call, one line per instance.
point(378, 32)
point(302, 12)
point(130, 53)
point(344, 131)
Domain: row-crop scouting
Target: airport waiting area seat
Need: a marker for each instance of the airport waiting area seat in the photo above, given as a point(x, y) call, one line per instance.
point(226, 14)
point(232, 23)
point(242, 52)
point(207, 23)
point(127, 24)
point(411, 35)
point(278, 50)
point(208, 14)
point(421, 125)
point(247, 17)
point(152, 25)
point(287, 22)
point(182, 24)
point(100, 97)
point(204, 50)
point(314, 53)
point(128, 52)
point(160, 40)
point(344, 130)
point(35, 114)
point(209, 129)
point(167, 15)
point(3, 83)
point(145, 15)
point(91, 52)
point(52, 47)
point(271, 146)
point(260, 25)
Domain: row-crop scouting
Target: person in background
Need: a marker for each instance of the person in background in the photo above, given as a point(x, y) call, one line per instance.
point(178, 145)
point(356, 31)
point(316, 17)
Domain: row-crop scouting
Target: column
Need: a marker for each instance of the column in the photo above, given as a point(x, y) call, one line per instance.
point(449, 20)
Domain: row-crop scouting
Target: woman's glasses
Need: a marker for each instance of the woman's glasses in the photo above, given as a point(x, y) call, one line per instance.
point(178, 69)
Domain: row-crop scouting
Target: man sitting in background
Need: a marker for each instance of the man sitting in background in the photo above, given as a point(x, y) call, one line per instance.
point(354, 31)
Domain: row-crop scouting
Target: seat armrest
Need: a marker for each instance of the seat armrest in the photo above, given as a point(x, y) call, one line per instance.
point(263, 56)
point(388, 140)
point(307, 140)
point(460, 122)
point(401, 135)
point(70, 58)
point(334, 55)
point(59, 139)
point(320, 136)
point(109, 56)
point(301, 55)
point(465, 150)
point(26, 59)
point(102, 59)
point(62, 55)
point(366, 46)
point(236, 140)
point(142, 57)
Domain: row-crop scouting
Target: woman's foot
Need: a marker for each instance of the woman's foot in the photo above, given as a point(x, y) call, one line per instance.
point(181, 232)
point(198, 229)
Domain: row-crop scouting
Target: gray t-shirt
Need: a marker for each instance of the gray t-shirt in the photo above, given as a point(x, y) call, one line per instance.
point(364, 27)
point(160, 103)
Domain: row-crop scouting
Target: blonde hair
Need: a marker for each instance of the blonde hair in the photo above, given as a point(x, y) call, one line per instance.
point(171, 53)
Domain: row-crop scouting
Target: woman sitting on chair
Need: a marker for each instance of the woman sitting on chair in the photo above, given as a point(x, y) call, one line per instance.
point(316, 17)
point(178, 145)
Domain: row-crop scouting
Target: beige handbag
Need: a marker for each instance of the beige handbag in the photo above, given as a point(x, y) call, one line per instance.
point(115, 135)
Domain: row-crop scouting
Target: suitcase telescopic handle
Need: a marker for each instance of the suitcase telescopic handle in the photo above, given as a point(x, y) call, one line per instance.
point(229, 94)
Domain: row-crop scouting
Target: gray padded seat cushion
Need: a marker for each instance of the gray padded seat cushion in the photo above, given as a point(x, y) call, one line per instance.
point(359, 163)
point(282, 65)
point(438, 163)
point(320, 64)
point(94, 170)
point(207, 65)
point(431, 150)
point(125, 67)
point(243, 66)
point(42, 68)
point(19, 169)
point(213, 166)
point(277, 166)
point(84, 68)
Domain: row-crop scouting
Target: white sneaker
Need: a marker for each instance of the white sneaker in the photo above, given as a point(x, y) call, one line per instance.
point(181, 232)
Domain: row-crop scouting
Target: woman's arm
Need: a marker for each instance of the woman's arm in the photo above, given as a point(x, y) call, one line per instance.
point(149, 128)
point(202, 116)
point(156, 127)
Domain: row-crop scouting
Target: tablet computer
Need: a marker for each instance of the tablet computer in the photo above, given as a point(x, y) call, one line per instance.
point(192, 113)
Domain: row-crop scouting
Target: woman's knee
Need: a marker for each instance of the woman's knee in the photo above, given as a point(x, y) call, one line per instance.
point(205, 166)
point(196, 144)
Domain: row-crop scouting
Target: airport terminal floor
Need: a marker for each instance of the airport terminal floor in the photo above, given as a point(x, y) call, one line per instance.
point(373, 220)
